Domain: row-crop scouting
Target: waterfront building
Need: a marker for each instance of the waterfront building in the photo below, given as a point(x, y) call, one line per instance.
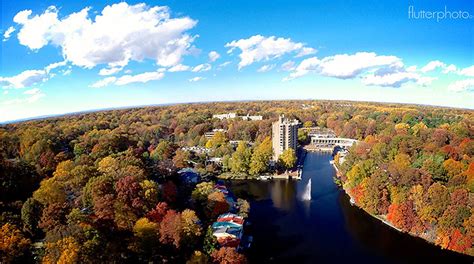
point(318, 132)
point(284, 135)
point(319, 141)
point(228, 229)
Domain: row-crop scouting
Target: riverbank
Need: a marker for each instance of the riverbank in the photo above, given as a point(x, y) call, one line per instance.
point(383, 219)
point(293, 174)
point(290, 175)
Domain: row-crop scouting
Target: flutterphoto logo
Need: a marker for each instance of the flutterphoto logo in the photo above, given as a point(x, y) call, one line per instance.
point(439, 15)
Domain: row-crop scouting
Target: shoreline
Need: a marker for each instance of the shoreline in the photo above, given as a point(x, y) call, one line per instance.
point(387, 223)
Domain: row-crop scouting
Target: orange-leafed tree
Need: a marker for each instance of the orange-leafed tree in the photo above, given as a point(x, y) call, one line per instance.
point(459, 241)
point(158, 213)
point(64, 251)
point(227, 255)
point(12, 243)
point(216, 204)
point(402, 215)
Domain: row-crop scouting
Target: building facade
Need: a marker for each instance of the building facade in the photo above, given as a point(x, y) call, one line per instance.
point(225, 116)
point(284, 135)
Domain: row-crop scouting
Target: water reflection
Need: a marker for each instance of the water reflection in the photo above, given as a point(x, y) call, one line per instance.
point(283, 194)
point(326, 229)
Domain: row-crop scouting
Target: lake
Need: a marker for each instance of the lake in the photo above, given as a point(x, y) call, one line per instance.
point(326, 229)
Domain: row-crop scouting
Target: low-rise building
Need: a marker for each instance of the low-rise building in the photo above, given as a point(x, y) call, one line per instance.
point(248, 117)
point(228, 229)
point(197, 149)
point(189, 176)
point(210, 134)
point(318, 132)
point(331, 142)
point(225, 116)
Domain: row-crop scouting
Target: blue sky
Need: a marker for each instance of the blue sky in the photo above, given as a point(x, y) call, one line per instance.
point(67, 56)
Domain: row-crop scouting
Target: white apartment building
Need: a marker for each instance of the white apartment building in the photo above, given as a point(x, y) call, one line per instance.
point(284, 135)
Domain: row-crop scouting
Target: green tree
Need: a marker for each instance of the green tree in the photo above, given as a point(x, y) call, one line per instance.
point(261, 157)
point(240, 160)
point(30, 215)
point(210, 242)
point(308, 124)
point(163, 151)
point(287, 159)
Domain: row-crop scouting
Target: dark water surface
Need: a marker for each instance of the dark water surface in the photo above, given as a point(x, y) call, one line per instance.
point(326, 229)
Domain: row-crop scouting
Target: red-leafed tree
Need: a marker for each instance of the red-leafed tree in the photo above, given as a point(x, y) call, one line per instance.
point(129, 192)
point(459, 242)
point(170, 229)
point(158, 213)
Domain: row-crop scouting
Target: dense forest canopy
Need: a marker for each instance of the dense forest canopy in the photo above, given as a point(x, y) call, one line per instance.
point(104, 186)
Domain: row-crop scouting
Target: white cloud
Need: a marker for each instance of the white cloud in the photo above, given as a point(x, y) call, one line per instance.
point(179, 68)
point(449, 68)
point(469, 71)
point(396, 79)
point(258, 48)
point(196, 79)
point(55, 65)
point(104, 82)
point(202, 67)
point(213, 56)
point(67, 72)
point(24, 79)
point(8, 33)
point(222, 65)
point(33, 95)
point(373, 69)
point(118, 34)
point(288, 66)
point(30, 77)
point(305, 51)
point(110, 71)
point(345, 66)
point(141, 78)
point(461, 86)
point(266, 68)
point(433, 65)
point(35, 31)
point(128, 79)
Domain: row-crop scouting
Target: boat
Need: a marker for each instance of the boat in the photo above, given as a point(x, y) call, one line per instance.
point(264, 178)
point(352, 201)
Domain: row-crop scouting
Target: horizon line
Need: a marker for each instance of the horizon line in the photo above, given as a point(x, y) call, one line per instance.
point(125, 107)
